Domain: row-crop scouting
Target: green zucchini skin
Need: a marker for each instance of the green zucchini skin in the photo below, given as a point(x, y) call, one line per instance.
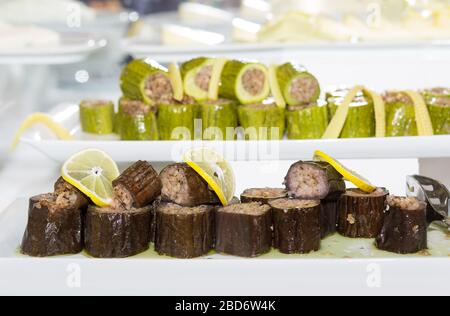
point(440, 117)
point(173, 116)
point(191, 65)
point(97, 117)
point(400, 115)
point(134, 77)
point(253, 119)
point(360, 121)
point(231, 77)
point(220, 114)
point(400, 120)
point(287, 74)
point(136, 125)
point(308, 122)
point(438, 103)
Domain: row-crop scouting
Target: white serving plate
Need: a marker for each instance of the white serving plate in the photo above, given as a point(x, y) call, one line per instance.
point(74, 47)
point(161, 151)
point(342, 266)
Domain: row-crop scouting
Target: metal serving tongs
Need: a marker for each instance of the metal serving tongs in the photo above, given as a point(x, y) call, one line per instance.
point(433, 192)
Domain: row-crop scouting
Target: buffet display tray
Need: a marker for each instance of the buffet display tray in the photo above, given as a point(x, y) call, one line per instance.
point(342, 266)
point(160, 151)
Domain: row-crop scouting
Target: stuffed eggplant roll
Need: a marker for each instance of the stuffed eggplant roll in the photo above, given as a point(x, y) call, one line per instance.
point(183, 186)
point(244, 230)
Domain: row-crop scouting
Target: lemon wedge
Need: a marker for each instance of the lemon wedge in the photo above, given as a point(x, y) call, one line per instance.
point(44, 119)
point(92, 172)
point(214, 170)
point(348, 174)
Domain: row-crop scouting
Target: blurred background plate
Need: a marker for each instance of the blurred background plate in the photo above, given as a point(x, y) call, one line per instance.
point(73, 47)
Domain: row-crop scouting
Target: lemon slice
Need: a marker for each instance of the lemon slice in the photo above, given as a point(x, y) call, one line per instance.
point(275, 87)
point(380, 113)
point(92, 172)
point(337, 123)
point(214, 83)
point(44, 119)
point(176, 81)
point(214, 170)
point(348, 174)
point(423, 119)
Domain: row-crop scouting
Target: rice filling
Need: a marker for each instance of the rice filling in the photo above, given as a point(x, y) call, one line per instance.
point(159, 88)
point(203, 77)
point(253, 81)
point(306, 180)
point(254, 209)
point(406, 203)
point(303, 89)
point(291, 204)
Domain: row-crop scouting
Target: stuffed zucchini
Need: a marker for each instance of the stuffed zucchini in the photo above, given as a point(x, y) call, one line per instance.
point(136, 121)
point(176, 121)
point(219, 120)
point(146, 81)
point(438, 102)
point(262, 121)
point(360, 122)
point(97, 117)
point(245, 82)
point(297, 85)
point(400, 115)
point(307, 121)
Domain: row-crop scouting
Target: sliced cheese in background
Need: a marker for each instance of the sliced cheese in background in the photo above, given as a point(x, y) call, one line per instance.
point(245, 31)
point(196, 13)
point(256, 10)
point(172, 34)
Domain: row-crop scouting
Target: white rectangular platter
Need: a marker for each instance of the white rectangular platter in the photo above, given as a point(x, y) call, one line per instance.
point(342, 266)
point(160, 151)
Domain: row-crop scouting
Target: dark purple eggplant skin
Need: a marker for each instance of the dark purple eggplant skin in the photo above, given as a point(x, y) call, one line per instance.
point(52, 232)
point(141, 182)
point(404, 231)
point(185, 236)
point(117, 234)
point(297, 231)
point(361, 216)
point(243, 235)
point(328, 217)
